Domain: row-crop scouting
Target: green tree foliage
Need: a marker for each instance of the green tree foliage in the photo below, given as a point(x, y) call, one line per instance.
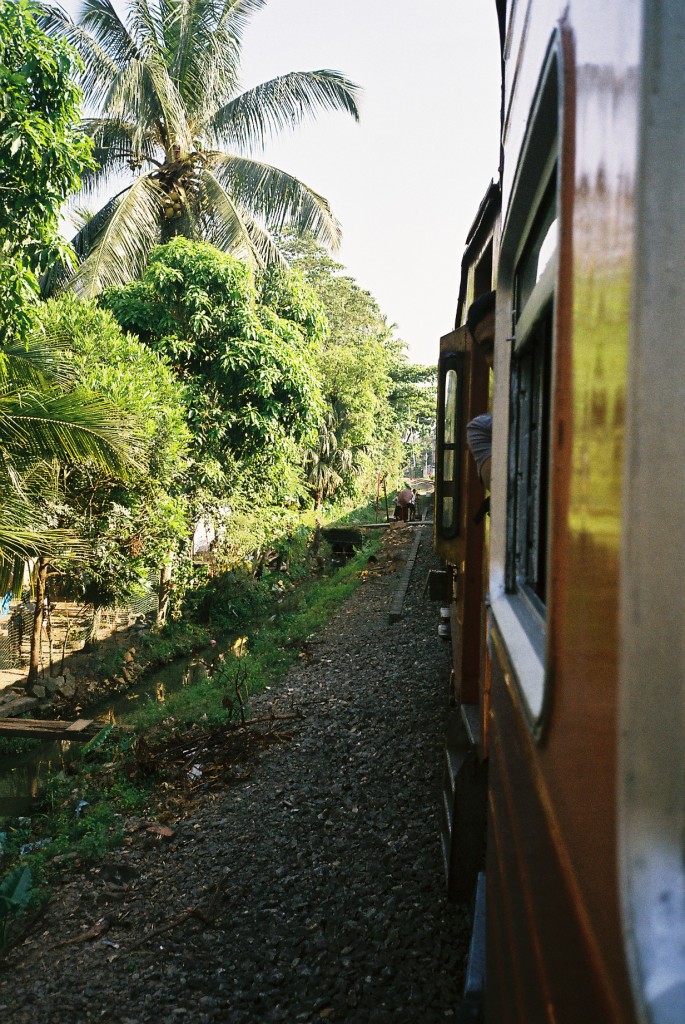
point(247, 366)
point(129, 524)
point(326, 464)
point(42, 154)
point(47, 425)
point(47, 422)
point(165, 80)
point(353, 362)
point(412, 400)
point(376, 399)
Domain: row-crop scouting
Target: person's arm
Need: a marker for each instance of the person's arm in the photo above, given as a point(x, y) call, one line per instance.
point(479, 440)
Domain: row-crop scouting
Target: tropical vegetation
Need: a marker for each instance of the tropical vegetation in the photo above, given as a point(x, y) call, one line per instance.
point(243, 395)
point(164, 82)
point(261, 389)
point(128, 523)
point(47, 426)
point(48, 422)
point(377, 402)
point(246, 365)
point(43, 156)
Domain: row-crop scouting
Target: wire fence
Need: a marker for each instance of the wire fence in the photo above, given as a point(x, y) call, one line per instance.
point(67, 627)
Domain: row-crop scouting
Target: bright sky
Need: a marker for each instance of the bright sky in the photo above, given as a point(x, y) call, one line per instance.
point(406, 182)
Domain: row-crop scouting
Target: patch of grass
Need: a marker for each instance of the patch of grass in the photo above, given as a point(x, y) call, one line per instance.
point(81, 818)
point(366, 513)
point(268, 653)
point(174, 641)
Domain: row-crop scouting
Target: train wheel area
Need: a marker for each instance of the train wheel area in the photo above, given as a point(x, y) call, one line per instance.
point(312, 888)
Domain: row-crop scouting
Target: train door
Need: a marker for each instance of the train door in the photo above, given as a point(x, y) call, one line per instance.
point(461, 528)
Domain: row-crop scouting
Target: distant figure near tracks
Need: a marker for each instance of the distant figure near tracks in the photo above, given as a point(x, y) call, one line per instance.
point(404, 500)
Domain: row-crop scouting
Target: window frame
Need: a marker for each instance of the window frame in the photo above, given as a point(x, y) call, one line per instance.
point(449, 361)
point(520, 617)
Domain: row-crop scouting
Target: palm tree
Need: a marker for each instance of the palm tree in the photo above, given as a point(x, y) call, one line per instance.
point(45, 425)
point(166, 83)
point(327, 465)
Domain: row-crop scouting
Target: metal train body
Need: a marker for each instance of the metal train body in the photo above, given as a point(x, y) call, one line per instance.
point(568, 606)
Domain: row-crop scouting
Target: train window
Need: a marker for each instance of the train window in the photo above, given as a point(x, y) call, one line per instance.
point(448, 467)
point(527, 281)
point(450, 436)
point(536, 266)
point(530, 403)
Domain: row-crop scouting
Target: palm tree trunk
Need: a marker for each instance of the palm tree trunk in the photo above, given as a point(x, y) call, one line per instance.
point(35, 660)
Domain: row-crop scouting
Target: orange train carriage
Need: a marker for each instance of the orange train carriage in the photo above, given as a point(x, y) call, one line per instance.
point(567, 743)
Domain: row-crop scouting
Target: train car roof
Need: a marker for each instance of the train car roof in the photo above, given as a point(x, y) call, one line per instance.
point(483, 223)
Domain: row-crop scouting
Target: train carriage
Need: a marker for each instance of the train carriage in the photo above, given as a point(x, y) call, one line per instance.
point(567, 606)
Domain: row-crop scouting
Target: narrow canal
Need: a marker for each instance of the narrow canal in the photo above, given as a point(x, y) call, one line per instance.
point(23, 774)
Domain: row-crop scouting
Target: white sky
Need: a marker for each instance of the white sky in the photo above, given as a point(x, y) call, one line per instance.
point(406, 182)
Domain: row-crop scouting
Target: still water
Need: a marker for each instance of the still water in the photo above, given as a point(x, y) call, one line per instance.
point(22, 775)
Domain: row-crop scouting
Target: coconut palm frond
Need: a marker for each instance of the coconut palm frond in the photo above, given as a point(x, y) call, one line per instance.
point(85, 240)
point(71, 428)
point(132, 98)
point(21, 541)
point(122, 236)
point(80, 215)
point(119, 144)
point(101, 20)
point(61, 275)
point(231, 17)
point(99, 68)
point(27, 522)
point(12, 481)
point(204, 53)
point(285, 102)
point(277, 197)
point(38, 364)
point(23, 538)
point(206, 50)
point(29, 484)
point(235, 15)
point(147, 26)
point(56, 278)
point(11, 573)
point(232, 228)
point(174, 115)
point(142, 92)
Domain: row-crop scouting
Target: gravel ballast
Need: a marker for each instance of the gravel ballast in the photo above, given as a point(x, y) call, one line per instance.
point(312, 891)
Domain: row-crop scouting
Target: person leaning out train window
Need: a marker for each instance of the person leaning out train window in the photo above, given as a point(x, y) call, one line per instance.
point(480, 321)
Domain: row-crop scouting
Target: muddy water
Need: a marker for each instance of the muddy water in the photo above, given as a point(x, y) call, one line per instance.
point(23, 774)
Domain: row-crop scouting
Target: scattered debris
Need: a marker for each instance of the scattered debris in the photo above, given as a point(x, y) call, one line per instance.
point(30, 847)
point(100, 926)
